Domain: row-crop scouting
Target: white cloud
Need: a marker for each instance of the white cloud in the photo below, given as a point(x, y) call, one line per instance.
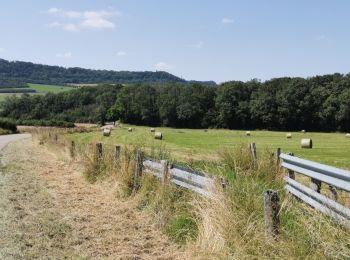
point(163, 66)
point(97, 23)
point(66, 55)
point(198, 45)
point(227, 20)
point(121, 53)
point(74, 21)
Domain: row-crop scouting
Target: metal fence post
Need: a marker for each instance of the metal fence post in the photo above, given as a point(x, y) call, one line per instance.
point(138, 170)
point(271, 217)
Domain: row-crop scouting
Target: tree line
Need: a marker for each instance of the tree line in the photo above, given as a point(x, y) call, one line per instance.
point(320, 103)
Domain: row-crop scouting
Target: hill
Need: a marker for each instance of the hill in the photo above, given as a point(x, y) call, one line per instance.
point(28, 72)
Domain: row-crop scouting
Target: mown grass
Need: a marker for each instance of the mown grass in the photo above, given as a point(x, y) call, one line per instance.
point(41, 88)
point(185, 144)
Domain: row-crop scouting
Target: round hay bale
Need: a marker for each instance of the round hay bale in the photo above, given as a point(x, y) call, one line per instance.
point(247, 133)
point(347, 135)
point(153, 130)
point(106, 132)
point(303, 131)
point(289, 135)
point(130, 129)
point(306, 143)
point(158, 135)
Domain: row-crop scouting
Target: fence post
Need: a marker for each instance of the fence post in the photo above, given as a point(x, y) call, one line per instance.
point(55, 138)
point(138, 170)
point(278, 153)
point(72, 149)
point(117, 157)
point(334, 194)
point(271, 217)
point(98, 152)
point(291, 173)
point(315, 185)
point(165, 170)
point(252, 147)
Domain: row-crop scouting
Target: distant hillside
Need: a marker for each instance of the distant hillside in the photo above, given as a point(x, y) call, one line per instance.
point(43, 74)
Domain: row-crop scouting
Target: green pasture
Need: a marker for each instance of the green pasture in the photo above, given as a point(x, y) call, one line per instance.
point(39, 88)
point(49, 88)
point(190, 144)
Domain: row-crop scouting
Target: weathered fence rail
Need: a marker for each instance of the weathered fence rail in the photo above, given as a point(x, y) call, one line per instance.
point(319, 173)
point(180, 176)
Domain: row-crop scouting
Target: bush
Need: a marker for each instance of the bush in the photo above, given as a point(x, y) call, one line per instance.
point(57, 123)
point(8, 124)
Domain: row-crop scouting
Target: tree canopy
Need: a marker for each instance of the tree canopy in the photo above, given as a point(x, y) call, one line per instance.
point(320, 103)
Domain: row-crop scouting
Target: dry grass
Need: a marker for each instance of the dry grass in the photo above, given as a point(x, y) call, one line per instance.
point(74, 219)
point(231, 224)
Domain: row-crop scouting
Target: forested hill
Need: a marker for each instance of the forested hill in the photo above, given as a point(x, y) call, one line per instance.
point(320, 103)
point(44, 74)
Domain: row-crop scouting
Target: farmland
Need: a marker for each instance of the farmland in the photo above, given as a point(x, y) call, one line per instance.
point(35, 88)
point(40, 88)
point(329, 148)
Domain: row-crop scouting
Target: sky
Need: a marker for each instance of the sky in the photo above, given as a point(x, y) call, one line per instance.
point(218, 40)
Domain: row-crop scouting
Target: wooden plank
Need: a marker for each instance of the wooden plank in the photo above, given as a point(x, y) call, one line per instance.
point(152, 165)
point(186, 169)
point(191, 178)
point(191, 187)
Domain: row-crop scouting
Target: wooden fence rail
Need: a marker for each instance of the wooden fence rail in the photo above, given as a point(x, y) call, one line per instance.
point(180, 176)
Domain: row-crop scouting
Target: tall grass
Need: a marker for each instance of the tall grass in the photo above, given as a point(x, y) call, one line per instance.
point(230, 225)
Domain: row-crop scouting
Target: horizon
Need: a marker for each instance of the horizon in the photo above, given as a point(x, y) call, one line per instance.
point(201, 40)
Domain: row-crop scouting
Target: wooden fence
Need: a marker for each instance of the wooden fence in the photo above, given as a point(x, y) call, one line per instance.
point(202, 184)
point(184, 177)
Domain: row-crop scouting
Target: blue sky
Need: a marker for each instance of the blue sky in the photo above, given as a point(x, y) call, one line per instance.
point(195, 39)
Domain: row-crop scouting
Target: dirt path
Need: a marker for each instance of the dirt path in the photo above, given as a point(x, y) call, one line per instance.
point(48, 211)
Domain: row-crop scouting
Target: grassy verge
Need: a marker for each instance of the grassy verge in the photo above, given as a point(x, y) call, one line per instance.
point(230, 225)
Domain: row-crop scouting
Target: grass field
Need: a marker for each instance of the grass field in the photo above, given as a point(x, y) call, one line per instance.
point(3, 96)
point(40, 90)
point(49, 88)
point(186, 144)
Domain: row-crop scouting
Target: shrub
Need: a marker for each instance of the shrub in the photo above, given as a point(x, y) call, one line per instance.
point(8, 124)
